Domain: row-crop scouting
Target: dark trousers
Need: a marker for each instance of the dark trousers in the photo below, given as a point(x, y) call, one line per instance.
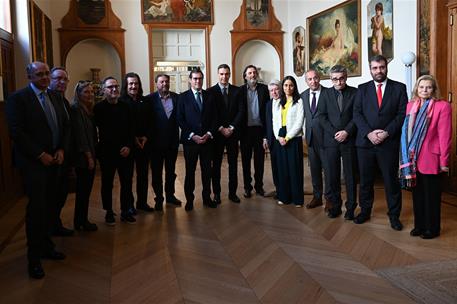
point(124, 168)
point(220, 144)
point(316, 163)
point(274, 166)
point(40, 185)
point(191, 155)
point(141, 158)
point(161, 157)
point(84, 182)
point(387, 161)
point(427, 202)
point(333, 156)
point(252, 142)
point(289, 160)
point(62, 193)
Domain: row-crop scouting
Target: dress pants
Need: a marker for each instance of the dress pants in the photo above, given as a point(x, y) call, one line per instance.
point(40, 185)
point(220, 144)
point(142, 157)
point(191, 155)
point(387, 160)
point(62, 192)
point(160, 157)
point(252, 142)
point(427, 203)
point(84, 183)
point(333, 156)
point(274, 165)
point(289, 160)
point(124, 168)
point(316, 163)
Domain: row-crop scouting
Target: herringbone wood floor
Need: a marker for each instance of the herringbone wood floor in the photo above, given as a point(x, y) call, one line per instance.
point(254, 252)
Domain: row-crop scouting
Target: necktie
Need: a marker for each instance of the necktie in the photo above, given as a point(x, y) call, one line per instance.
point(313, 103)
point(379, 94)
point(199, 101)
point(225, 95)
point(50, 117)
point(339, 100)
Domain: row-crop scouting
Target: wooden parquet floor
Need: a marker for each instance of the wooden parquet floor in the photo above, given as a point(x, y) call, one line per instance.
point(253, 252)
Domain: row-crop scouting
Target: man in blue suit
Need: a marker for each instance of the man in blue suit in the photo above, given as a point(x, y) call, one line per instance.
point(162, 106)
point(379, 111)
point(197, 118)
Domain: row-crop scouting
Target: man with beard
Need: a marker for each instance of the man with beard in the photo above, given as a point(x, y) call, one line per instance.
point(379, 111)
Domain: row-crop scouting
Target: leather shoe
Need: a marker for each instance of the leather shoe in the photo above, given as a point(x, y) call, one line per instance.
point(210, 204)
point(415, 232)
point(315, 202)
point(328, 205)
point(427, 235)
point(334, 213)
point(158, 206)
point(234, 198)
point(217, 199)
point(396, 224)
point(172, 200)
point(247, 194)
point(87, 226)
point(260, 192)
point(36, 270)
point(54, 255)
point(349, 215)
point(144, 207)
point(362, 218)
point(62, 231)
point(189, 206)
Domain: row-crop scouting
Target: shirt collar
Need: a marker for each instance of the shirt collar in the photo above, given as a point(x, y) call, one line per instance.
point(36, 90)
point(222, 86)
point(383, 83)
point(195, 91)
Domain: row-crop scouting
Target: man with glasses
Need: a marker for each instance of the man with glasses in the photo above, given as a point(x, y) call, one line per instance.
point(335, 118)
point(197, 118)
point(113, 119)
point(39, 129)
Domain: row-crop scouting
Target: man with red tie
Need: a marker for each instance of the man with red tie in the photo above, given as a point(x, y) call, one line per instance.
point(379, 111)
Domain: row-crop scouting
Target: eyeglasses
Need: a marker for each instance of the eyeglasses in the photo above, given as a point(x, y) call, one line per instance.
point(64, 79)
point(41, 74)
point(341, 79)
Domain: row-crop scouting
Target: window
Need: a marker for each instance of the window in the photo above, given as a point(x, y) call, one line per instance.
point(5, 15)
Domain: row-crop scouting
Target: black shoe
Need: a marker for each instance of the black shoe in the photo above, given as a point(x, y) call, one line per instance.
point(158, 206)
point(132, 211)
point(128, 218)
point(36, 270)
point(234, 198)
point(54, 255)
point(427, 235)
point(349, 215)
point(189, 206)
point(396, 224)
point(62, 231)
point(362, 218)
point(210, 204)
point(217, 199)
point(109, 218)
point(174, 201)
point(144, 207)
point(87, 226)
point(334, 213)
point(247, 194)
point(260, 192)
point(415, 232)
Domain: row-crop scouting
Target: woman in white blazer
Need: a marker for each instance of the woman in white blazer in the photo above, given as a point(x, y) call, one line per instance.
point(288, 118)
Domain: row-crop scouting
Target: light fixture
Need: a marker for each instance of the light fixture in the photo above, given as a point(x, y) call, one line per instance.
point(408, 59)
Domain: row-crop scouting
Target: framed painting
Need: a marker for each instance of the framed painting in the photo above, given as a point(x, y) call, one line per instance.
point(423, 37)
point(380, 28)
point(41, 29)
point(177, 11)
point(298, 45)
point(334, 38)
point(257, 14)
point(91, 11)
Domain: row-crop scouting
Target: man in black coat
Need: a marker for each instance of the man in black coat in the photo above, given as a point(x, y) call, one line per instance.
point(39, 129)
point(335, 117)
point(197, 118)
point(230, 113)
point(379, 111)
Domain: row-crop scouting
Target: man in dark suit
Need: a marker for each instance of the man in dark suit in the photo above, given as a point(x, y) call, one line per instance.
point(379, 111)
point(58, 84)
point(38, 127)
point(314, 137)
point(255, 97)
point(197, 118)
point(230, 113)
point(335, 117)
point(162, 107)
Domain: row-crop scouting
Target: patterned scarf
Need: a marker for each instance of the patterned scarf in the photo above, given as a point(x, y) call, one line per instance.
point(413, 133)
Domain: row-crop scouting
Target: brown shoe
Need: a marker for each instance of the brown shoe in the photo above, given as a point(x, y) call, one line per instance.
point(315, 202)
point(328, 205)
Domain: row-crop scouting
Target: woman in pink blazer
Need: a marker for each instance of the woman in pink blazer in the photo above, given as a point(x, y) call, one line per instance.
point(424, 154)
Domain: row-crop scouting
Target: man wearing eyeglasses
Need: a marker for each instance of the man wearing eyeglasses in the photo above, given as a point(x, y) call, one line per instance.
point(335, 118)
point(39, 129)
point(113, 119)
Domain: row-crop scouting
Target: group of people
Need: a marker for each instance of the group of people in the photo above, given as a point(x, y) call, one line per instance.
point(129, 132)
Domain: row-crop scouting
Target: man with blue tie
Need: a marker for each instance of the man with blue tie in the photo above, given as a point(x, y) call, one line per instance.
point(379, 111)
point(197, 118)
point(39, 129)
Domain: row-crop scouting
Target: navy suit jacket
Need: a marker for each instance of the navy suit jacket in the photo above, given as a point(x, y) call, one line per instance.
point(192, 120)
point(333, 120)
point(164, 132)
point(368, 116)
point(29, 127)
point(263, 96)
point(313, 133)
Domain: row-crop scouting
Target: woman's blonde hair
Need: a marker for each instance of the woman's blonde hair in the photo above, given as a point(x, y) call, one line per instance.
point(436, 89)
point(80, 86)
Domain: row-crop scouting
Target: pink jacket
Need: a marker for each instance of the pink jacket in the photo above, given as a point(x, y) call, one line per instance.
point(437, 143)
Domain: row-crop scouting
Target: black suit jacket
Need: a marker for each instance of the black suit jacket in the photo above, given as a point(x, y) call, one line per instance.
point(269, 134)
point(368, 116)
point(333, 120)
point(263, 96)
point(233, 114)
point(313, 133)
point(164, 132)
point(191, 120)
point(29, 127)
